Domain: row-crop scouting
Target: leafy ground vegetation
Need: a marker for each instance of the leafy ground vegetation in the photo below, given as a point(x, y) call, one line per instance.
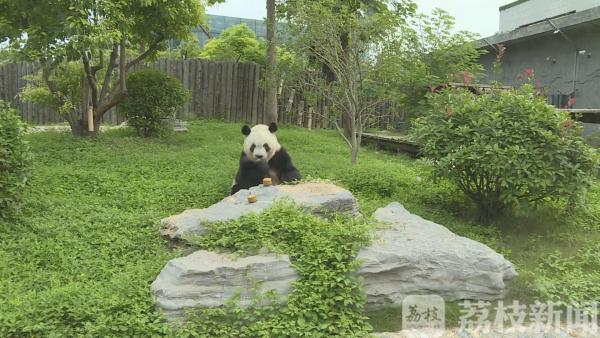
point(80, 253)
point(326, 300)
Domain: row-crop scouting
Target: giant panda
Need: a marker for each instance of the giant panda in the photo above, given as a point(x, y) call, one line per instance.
point(263, 156)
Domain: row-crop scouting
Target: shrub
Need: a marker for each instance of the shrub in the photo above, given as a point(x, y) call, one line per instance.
point(14, 158)
point(152, 100)
point(504, 147)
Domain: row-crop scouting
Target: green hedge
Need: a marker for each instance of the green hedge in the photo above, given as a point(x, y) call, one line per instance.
point(14, 158)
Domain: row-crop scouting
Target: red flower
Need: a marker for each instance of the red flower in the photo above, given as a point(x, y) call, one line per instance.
point(467, 77)
point(568, 124)
point(501, 49)
point(529, 72)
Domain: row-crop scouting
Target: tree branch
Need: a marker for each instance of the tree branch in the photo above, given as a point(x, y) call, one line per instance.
point(341, 132)
point(153, 47)
point(115, 99)
point(99, 66)
point(206, 31)
point(112, 64)
point(91, 79)
point(122, 66)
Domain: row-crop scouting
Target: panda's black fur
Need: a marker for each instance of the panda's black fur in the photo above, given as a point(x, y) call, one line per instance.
point(277, 165)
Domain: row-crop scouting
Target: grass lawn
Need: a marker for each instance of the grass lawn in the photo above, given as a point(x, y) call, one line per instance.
point(84, 248)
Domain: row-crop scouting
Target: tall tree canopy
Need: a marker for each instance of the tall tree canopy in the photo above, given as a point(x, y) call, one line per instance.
point(236, 43)
point(339, 38)
point(425, 54)
point(107, 38)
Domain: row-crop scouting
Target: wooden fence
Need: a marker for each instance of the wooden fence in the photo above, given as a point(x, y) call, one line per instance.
point(229, 91)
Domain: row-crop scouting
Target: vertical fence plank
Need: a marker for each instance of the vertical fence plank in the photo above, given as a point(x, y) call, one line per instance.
point(255, 85)
point(227, 81)
point(205, 70)
point(198, 89)
point(186, 85)
point(300, 113)
point(249, 91)
point(233, 91)
point(241, 92)
point(317, 117)
point(221, 91)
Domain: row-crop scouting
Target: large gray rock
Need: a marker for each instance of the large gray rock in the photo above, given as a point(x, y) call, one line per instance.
point(207, 278)
point(318, 198)
point(415, 256)
point(409, 256)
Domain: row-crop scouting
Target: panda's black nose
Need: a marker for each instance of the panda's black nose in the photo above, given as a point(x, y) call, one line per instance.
point(259, 156)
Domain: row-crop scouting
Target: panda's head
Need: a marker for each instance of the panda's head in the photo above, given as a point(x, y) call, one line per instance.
point(260, 142)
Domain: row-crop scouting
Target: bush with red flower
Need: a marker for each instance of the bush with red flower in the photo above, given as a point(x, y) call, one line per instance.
point(506, 147)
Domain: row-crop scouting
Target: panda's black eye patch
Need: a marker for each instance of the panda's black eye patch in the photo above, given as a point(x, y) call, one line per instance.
point(267, 148)
point(252, 147)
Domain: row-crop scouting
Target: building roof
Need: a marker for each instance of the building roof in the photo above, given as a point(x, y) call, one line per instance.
point(544, 27)
point(512, 4)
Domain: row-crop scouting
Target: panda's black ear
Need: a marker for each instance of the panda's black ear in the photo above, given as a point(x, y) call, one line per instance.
point(272, 127)
point(246, 130)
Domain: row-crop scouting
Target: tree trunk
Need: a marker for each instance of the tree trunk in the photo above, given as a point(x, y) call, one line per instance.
point(79, 127)
point(355, 149)
point(271, 83)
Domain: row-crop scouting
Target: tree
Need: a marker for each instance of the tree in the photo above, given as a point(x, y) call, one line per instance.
point(189, 48)
point(237, 43)
point(101, 36)
point(271, 78)
point(425, 54)
point(340, 36)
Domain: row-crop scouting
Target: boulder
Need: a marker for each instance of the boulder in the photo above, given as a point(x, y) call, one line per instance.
point(409, 256)
point(316, 197)
point(414, 256)
point(206, 278)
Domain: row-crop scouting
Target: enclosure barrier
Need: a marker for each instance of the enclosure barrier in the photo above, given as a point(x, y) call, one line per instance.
point(229, 91)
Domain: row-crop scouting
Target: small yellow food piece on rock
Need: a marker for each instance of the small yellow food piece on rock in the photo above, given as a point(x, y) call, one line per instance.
point(251, 198)
point(267, 181)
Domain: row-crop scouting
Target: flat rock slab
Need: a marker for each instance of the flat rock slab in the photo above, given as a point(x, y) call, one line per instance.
point(317, 197)
point(414, 256)
point(206, 278)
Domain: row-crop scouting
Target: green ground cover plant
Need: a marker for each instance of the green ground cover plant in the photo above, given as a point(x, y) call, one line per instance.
point(327, 299)
point(80, 254)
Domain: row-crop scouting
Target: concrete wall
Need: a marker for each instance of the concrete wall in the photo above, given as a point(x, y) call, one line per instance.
point(530, 11)
point(553, 61)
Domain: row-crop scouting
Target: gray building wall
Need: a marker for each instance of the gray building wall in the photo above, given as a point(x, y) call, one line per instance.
point(523, 12)
point(553, 60)
point(557, 65)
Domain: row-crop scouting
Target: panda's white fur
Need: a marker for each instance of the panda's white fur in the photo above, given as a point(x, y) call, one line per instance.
point(254, 143)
